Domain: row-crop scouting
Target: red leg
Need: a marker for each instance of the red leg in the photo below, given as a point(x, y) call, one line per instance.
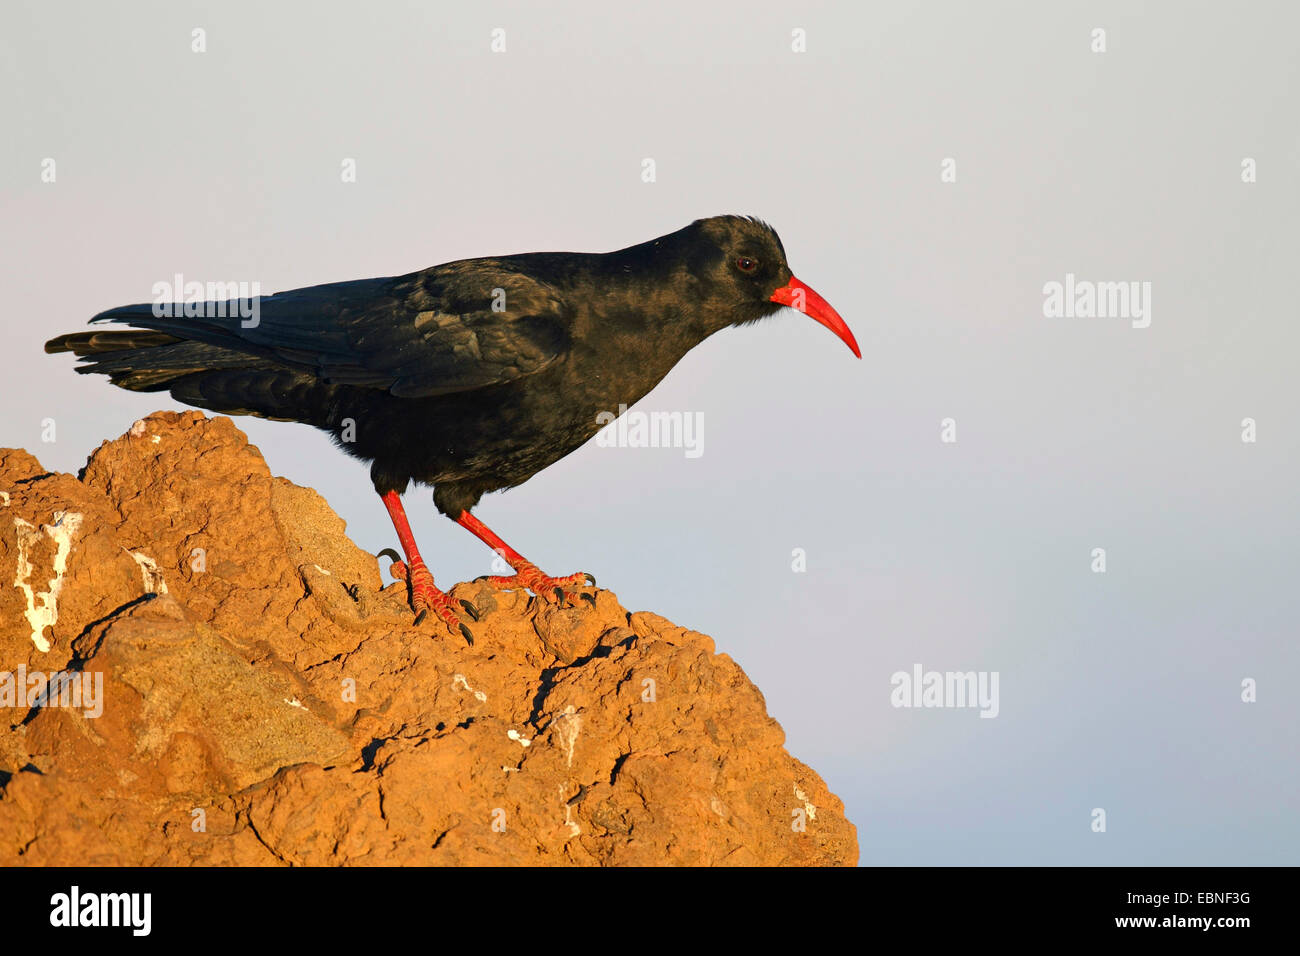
point(424, 596)
point(526, 573)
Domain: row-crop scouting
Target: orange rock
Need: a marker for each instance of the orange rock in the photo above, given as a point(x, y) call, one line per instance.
point(253, 695)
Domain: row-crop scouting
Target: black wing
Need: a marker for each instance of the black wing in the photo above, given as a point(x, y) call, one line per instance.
point(452, 328)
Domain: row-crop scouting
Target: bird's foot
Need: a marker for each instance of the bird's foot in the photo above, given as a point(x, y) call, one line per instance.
point(425, 598)
point(553, 590)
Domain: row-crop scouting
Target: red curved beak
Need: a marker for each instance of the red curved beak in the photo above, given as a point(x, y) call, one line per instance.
point(799, 296)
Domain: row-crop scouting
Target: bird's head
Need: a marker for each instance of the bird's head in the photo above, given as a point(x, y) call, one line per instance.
point(743, 262)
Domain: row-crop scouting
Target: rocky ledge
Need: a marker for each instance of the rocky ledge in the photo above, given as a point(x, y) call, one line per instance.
point(200, 668)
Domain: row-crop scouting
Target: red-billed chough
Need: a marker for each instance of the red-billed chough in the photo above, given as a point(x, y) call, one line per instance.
point(470, 376)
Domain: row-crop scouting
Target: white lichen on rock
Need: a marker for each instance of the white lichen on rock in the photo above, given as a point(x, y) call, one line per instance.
point(808, 808)
point(43, 606)
point(149, 570)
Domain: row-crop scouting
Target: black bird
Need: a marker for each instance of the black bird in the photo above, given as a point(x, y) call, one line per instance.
point(470, 376)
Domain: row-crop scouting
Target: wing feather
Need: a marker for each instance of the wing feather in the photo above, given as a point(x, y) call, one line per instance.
point(453, 328)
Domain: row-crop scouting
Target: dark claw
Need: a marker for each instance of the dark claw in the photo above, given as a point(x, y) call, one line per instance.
point(481, 577)
point(470, 609)
point(589, 597)
point(469, 635)
point(559, 595)
point(591, 578)
point(421, 616)
point(388, 553)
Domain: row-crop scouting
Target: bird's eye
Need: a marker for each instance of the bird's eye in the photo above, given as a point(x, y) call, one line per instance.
point(746, 264)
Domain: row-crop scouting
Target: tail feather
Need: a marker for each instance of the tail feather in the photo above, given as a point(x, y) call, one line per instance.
point(197, 373)
point(82, 344)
